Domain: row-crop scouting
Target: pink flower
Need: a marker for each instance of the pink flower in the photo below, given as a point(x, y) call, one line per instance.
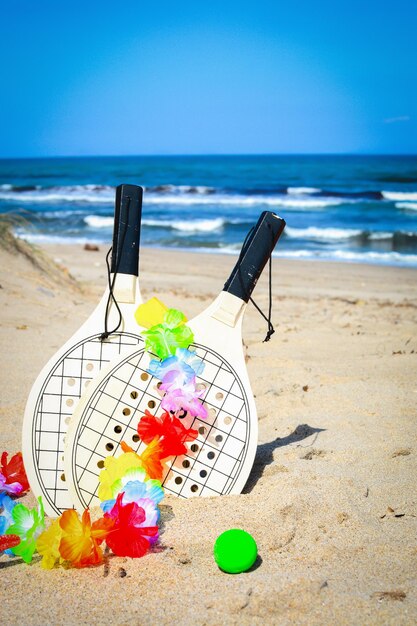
point(185, 398)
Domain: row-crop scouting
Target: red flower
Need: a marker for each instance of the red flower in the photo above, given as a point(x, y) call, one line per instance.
point(169, 430)
point(8, 541)
point(14, 471)
point(128, 537)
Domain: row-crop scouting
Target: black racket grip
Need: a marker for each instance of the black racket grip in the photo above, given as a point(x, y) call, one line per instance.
point(254, 256)
point(126, 233)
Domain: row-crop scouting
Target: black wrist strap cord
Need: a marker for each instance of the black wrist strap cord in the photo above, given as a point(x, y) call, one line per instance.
point(111, 281)
point(271, 329)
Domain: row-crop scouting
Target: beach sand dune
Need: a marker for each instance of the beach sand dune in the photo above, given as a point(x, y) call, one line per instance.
point(331, 500)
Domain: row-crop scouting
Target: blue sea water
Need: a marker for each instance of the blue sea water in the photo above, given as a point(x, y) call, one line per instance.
point(347, 208)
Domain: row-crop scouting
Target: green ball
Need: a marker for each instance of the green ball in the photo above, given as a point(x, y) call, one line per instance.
point(235, 551)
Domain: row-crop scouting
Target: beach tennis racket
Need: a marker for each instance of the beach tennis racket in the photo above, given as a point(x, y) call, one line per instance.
point(109, 331)
point(220, 459)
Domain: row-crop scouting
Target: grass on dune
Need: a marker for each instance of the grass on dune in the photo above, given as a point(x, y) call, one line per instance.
point(37, 257)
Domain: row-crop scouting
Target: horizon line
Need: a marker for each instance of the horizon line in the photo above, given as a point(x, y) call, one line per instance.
point(210, 154)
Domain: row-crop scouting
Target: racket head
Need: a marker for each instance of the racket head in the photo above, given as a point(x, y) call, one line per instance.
point(52, 400)
point(61, 382)
point(216, 463)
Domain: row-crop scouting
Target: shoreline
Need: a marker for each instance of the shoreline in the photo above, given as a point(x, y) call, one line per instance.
point(287, 273)
point(277, 255)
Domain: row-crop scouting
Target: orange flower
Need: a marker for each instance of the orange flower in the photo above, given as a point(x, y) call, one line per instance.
point(150, 459)
point(80, 542)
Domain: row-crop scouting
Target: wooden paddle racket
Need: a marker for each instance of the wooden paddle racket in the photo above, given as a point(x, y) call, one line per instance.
point(109, 331)
point(220, 459)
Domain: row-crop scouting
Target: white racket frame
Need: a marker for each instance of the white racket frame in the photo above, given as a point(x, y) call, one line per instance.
point(218, 329)
point(59, 385)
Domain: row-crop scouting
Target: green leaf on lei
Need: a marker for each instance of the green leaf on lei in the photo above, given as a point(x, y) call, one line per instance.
point(28, 525)
point(163, 339)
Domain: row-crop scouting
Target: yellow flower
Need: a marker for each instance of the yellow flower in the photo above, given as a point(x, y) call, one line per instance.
point(150, 313)
point(115, 469)
point(47, 545)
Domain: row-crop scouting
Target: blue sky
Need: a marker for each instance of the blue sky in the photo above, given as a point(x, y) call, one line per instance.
point(133, 77)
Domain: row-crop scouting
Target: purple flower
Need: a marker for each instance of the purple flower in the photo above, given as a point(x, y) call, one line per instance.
point(186, 398)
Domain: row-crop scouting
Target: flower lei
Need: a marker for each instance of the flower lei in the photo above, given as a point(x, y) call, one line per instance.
point(130, 487)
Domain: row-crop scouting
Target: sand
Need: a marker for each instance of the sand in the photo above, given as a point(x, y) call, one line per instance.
point(331, 500)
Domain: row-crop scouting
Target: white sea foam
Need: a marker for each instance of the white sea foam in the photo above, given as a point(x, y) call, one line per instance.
point(99, 221)
point(189, 226)
point(399, 195)
point(312, 232)
point(199, 225)
point(376, 257)
point(72, 193)
point(208, 225)
point(240, 200)
point(379, 236)
point(192, 189)
point(182, 195)
point(383, 258)
point(303, 190)
point(96, 194)
point(410, 206)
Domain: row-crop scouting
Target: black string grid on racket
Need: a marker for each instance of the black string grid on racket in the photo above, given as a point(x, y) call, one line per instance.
point(212, 463)
point(271, 328)
point(55, 404)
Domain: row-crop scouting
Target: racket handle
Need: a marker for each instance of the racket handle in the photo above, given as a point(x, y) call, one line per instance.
point(126, 234)
point(256, 252)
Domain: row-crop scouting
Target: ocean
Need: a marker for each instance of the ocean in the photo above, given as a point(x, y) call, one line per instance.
point(344, 208)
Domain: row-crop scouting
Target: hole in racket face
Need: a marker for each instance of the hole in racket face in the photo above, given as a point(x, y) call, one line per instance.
point(212, 463)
